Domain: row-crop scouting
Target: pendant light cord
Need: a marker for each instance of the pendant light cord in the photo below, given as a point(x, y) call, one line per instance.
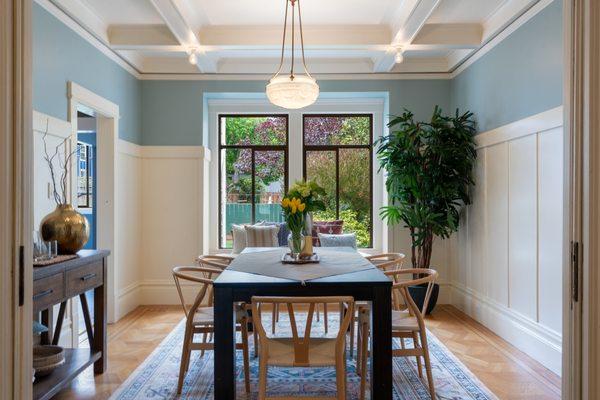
point(283, 44)
point(293, 40)
point(293, 37)
point(302, 39)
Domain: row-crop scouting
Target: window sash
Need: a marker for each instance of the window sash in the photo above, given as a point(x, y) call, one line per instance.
point(253, 148)
point(336, 149)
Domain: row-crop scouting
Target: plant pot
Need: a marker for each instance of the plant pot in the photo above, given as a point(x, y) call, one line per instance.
point(69, 228)
point(418, 293)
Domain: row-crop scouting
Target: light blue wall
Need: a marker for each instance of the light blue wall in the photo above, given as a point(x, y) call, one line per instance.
point(521, 76)
point(61, 55)
point(172, 111)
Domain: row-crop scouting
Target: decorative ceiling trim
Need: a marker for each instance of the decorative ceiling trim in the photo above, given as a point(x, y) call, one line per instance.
point(496, 39)
point(459, 60)
point(324, 77)
point(87, 35)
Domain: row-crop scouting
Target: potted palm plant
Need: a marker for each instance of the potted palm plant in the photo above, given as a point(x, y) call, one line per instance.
point(429, 172)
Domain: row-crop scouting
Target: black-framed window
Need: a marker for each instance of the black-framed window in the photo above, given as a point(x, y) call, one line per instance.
point(85, 173)
point(253, 170)
point(338, 154)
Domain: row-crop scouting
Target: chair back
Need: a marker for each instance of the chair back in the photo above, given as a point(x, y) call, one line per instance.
point(301, 343)
point(425, 276)
point(387, 261)
point(198, 275)
point(215, 262)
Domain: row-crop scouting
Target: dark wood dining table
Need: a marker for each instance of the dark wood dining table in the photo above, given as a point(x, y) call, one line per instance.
point(366, 285)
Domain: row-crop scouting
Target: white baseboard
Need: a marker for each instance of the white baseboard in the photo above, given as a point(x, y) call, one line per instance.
point(128, 299)
point(164, 292)
point(537, 341)
point(445, 295)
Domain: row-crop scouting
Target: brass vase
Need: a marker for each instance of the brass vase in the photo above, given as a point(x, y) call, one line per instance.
point(69, 228)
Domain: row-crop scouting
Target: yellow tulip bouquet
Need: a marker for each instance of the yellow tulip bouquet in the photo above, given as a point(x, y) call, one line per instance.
point(303, 197)
point(293, 212)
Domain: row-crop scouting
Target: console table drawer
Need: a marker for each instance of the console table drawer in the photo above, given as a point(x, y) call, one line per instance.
point(48, 291)
point(81, 279)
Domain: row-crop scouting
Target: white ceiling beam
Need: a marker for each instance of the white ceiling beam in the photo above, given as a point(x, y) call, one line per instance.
point(504, 16)
point(458, 36)
point(219, 35)
point(84, 16)
point(132, 37)
point(410, 27)
point(183, 33)
point(386, 61)
point(408, 19)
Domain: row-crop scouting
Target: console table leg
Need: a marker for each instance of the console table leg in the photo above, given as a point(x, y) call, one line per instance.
point(86, 317)
point(99, 339)
point(46, 337)
point(59, 322)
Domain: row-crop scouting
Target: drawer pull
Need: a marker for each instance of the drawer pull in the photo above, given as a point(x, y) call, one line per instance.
point(43, 294)
point(88, 277)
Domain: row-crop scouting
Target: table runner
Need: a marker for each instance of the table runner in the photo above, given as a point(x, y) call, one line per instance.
point(267, 262)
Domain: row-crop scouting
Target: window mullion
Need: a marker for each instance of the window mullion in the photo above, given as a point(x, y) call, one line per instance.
point(253, 195)
point(337, 183)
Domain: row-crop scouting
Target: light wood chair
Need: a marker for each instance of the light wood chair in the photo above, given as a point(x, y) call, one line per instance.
point(220, 262)
point(200, 319)
point(385, 262)
point(407, 322)
point(302, 351)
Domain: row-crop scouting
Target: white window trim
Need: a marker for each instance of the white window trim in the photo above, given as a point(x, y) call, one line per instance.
point(375, 106)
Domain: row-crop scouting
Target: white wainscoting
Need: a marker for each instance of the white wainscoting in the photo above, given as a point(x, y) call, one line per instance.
point(129, 202)
point(508, 272)
point(173, 187)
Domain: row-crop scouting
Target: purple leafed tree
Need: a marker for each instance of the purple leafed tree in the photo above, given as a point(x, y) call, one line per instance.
point(268, 164)
point(320, 130)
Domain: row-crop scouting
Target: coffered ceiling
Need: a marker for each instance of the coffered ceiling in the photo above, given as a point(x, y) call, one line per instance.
point(341, 36)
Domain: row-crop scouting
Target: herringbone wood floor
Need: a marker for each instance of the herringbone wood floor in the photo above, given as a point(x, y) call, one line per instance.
point(507, 372)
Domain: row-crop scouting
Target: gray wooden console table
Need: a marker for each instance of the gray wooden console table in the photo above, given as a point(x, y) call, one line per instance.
point(57, 283)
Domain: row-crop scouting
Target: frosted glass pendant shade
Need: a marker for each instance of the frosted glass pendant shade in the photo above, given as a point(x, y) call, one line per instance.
point(300, 92)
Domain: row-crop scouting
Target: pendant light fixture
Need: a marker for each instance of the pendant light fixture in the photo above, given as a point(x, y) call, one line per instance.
point(293, 91)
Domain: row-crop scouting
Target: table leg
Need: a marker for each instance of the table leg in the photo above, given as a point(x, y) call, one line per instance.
point(59, 322)
point(224, 344)
point(86, 317)
point(381, 339)
point(47, 321)
point(100, 315)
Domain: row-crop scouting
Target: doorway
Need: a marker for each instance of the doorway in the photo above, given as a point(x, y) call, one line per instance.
point(86, 171)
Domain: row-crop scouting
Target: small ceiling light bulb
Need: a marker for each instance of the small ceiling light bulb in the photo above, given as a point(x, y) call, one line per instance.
point(193, 58)
point(399, 57)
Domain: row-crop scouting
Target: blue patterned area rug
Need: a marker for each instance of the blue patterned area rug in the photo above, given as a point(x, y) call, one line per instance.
point(156, 377)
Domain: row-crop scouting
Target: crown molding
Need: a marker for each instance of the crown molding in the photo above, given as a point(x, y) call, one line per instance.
point(462, 59)
point(91, 38)
point(500, 36)
point(320, 77)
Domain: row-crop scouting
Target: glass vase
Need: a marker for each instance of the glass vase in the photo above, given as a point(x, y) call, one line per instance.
point(296, 243)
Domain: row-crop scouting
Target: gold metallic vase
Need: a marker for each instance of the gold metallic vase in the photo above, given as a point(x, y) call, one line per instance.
point(69, 228)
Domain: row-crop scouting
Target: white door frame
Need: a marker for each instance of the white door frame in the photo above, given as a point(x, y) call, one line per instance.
point(581, 344)
point(107, 117)
point(16, 147)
